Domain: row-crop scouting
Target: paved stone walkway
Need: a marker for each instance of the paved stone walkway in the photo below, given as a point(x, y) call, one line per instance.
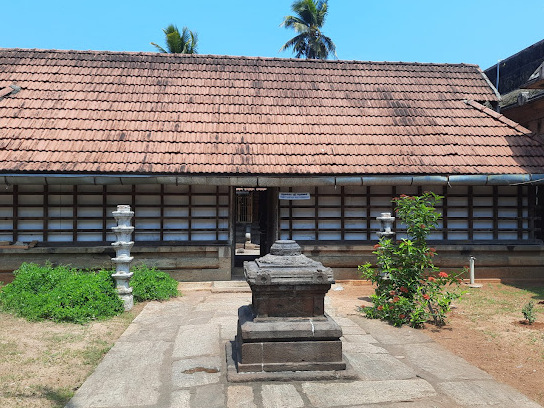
point(173, 355)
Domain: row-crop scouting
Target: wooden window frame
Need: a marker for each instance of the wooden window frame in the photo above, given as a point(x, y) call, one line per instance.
point(76, 196)
point(524, 208)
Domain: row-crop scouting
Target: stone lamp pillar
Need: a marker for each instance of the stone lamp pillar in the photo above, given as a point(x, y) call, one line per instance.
point(386, 225)
point(386, 231)
point(122, 260)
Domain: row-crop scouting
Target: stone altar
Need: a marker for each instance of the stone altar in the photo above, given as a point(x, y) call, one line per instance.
point(286, 329)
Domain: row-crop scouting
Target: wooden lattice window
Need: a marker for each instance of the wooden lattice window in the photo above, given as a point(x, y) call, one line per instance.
point(63, 213)
point(244, 207)
point(470, 213)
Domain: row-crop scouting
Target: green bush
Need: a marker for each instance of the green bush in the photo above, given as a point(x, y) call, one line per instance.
point(152, 284)
point(409, 287)
point(61, 294)
point(529, 312)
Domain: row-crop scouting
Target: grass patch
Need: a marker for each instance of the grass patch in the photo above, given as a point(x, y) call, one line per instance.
point(498, 299)
point(8, 348)
point(58, 396)
point(63, 338)
point(93, 353)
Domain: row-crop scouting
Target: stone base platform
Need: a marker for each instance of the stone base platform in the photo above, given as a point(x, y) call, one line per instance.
point(234, 376)
point(287, 344)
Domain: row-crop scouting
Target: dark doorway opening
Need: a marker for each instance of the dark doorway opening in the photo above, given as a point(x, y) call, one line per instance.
point(253, 226)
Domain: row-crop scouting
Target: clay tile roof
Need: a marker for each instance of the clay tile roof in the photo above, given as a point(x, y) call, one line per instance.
point(134, 113)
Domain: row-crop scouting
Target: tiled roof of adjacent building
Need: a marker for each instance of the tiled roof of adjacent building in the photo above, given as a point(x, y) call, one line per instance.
point(147, 113)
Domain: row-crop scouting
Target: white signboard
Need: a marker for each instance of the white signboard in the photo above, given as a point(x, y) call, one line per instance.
point(294, 196)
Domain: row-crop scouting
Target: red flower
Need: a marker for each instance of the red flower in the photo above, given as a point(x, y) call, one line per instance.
point(432, 249)
point(431, 279)
point(380, 307)
point(403, 196)
point(363, 306)
point(392, 292)
point(376, 246)
point(426, 297)
point(401, 316)
point(403, 289)
point(396, 299)
point(443, 275)
point(422, 226)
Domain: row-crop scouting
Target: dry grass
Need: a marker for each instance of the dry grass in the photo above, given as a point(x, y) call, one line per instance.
point(43, 363)
point(487, 329)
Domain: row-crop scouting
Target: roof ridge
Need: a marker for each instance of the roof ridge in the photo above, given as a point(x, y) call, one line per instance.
point(219, 56)
point(486, 79)
point(510, 123)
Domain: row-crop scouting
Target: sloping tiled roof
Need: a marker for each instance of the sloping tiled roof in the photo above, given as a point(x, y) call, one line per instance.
point(111, 112)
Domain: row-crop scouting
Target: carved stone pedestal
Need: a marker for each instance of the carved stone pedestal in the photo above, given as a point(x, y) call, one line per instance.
point(285, 329)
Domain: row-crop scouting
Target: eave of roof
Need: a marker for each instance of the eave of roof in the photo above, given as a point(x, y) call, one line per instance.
point(274, 181)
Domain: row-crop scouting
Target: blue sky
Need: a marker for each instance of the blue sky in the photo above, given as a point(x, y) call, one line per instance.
point(471, 31)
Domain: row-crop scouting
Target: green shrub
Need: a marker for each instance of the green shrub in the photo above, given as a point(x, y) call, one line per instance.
point(529, 312)
point(409, 287)
point(152, 284)
point(61, 294)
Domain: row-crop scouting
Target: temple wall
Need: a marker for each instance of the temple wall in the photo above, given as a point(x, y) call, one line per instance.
point(505, 262)
point(184, 263)
point(188, 231)
point(205, 263)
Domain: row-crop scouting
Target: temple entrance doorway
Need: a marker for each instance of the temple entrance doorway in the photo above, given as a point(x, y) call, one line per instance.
point(253, 227)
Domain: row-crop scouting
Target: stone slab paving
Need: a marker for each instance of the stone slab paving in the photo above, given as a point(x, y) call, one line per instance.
point(173, 356)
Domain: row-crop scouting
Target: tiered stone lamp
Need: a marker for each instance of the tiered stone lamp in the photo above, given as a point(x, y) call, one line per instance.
point(386, 223)
point(386, 232)
point(122, 260)
point(285, 329)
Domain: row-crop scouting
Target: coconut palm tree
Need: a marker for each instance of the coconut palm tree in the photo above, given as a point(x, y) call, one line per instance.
point(178, 43)
point(310, 42)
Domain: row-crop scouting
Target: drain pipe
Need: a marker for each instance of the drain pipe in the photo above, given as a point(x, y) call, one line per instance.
point(498, 74)
point(471, 267)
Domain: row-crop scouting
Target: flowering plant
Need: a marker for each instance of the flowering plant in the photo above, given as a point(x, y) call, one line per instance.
point(409, 288)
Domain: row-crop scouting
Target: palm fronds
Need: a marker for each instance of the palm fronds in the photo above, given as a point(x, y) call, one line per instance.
point(184, 42)
point(310, 42)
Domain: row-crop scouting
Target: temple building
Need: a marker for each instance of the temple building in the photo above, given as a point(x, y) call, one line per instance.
point(219, 156)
